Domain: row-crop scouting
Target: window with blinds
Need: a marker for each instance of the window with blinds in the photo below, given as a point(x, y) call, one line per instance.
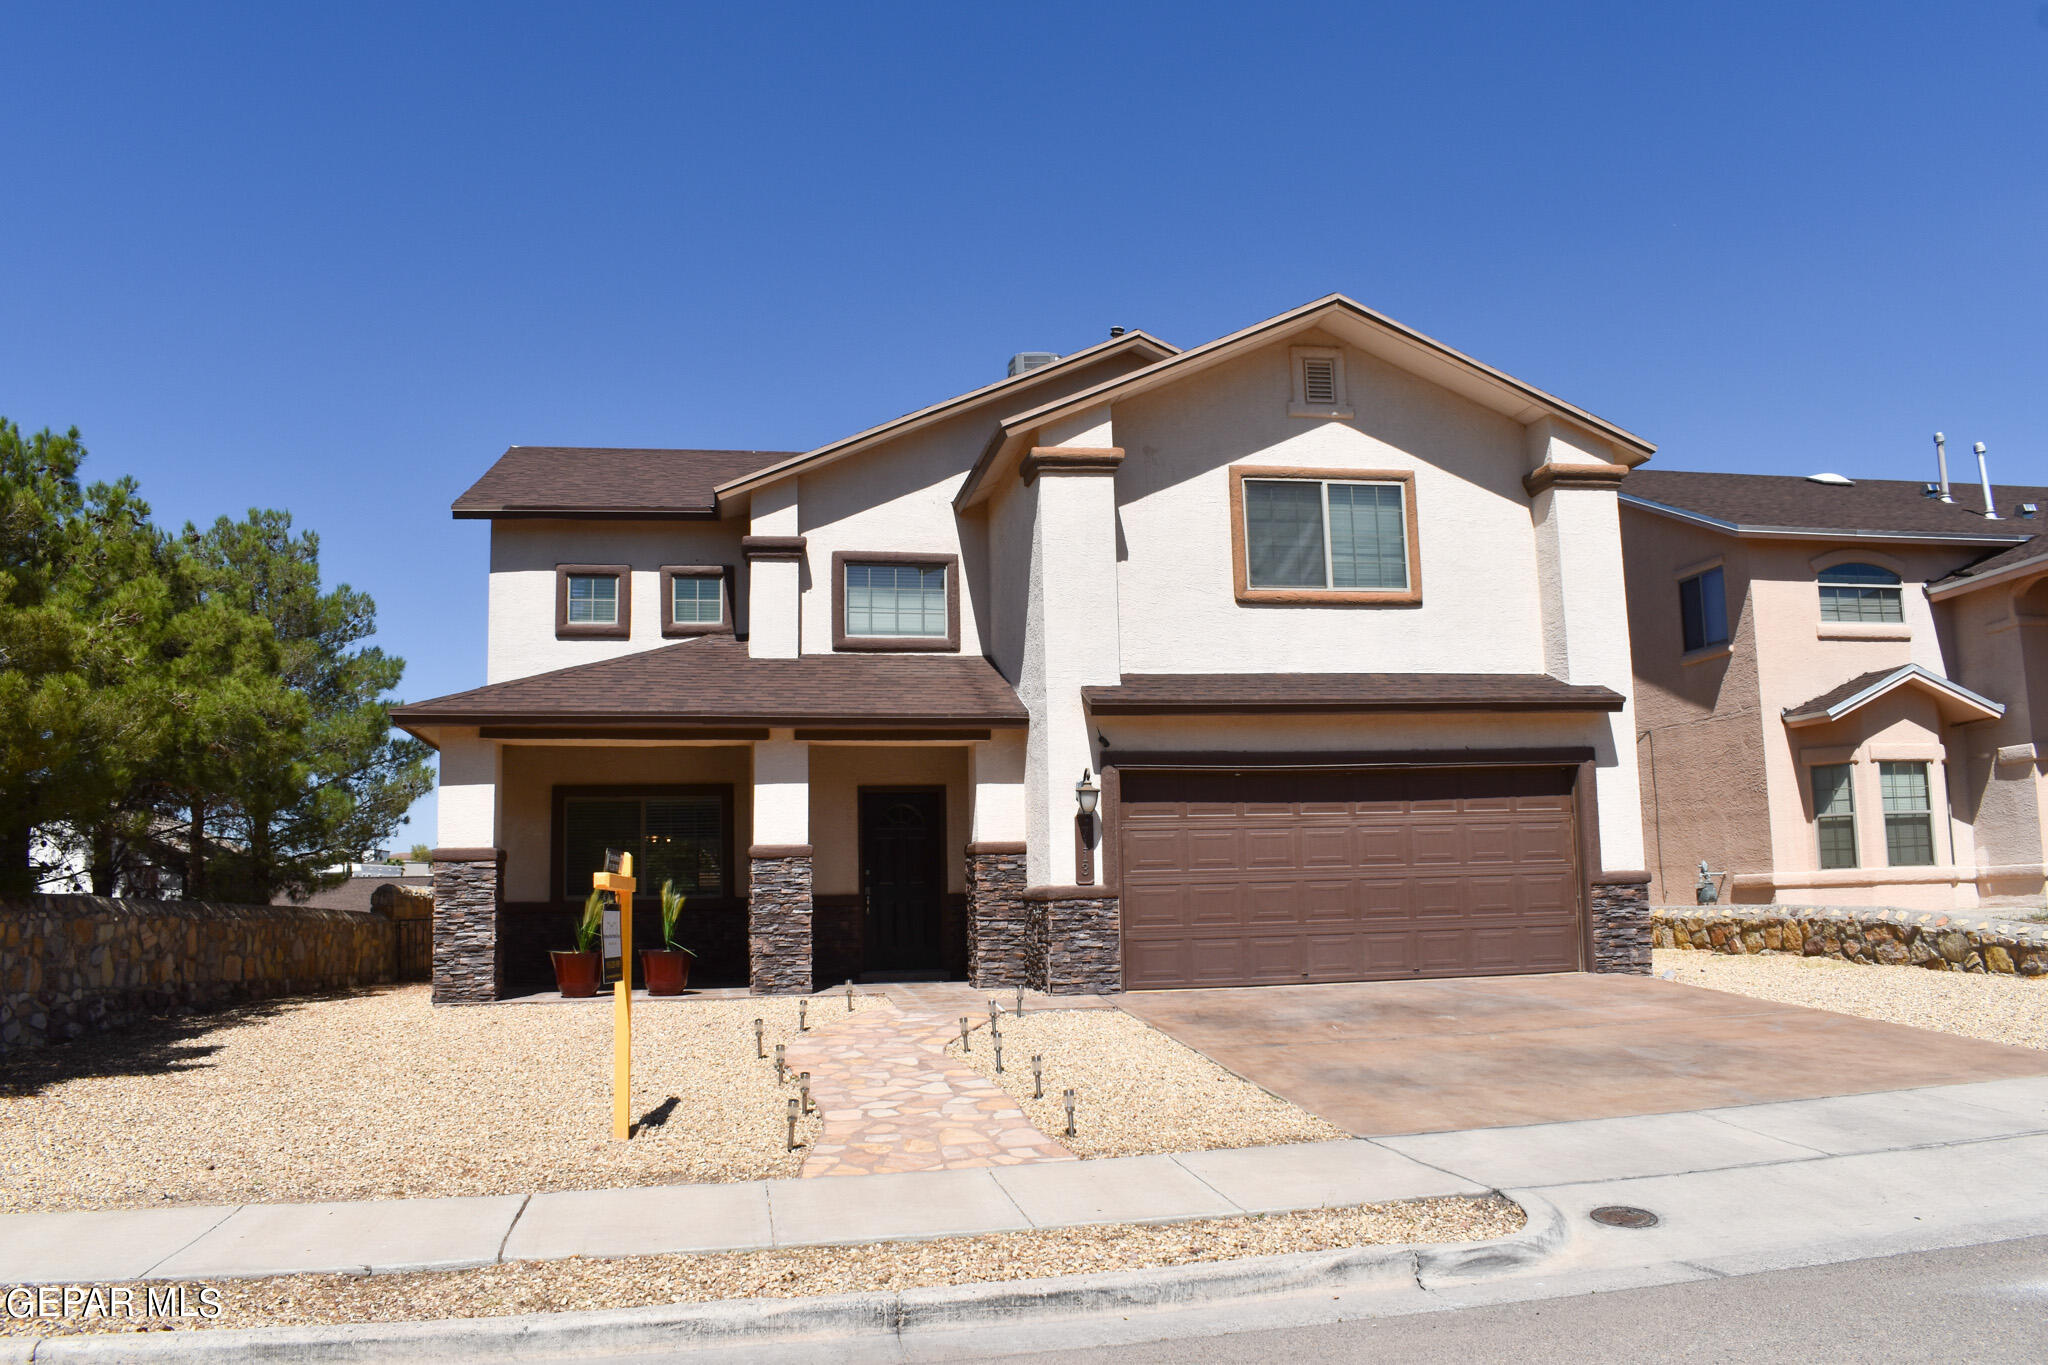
point(593, 599)
point(1908, 814)
point(1834, 814)
point(1314, 534)
point(695, 601)
point(896, 600)
point(1860, 592)
point(673, 837)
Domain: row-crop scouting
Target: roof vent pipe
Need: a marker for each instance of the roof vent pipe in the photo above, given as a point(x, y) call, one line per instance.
point(1984, 477)
point(1941, 459)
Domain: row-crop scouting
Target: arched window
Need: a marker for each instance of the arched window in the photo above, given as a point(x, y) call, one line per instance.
point(1859, 592)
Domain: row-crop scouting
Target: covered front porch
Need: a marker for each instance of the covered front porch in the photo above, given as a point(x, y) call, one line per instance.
point(878, 837)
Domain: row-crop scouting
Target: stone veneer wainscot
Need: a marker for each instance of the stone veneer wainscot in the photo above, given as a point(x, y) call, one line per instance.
point(1074, 943)
point(469, 968)
point(779, 919)
point(998, 920)
point(1621, 923)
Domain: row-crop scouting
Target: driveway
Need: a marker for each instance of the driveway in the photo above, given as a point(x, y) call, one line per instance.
point(1389, 1057)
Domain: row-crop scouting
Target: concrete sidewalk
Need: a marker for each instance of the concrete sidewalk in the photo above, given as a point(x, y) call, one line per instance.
point(2001, 1122)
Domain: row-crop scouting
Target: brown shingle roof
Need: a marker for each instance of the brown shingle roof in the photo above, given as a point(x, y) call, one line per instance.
point(1868, 506)
point(1169, 693)
point(608, 481)
point(714, 681)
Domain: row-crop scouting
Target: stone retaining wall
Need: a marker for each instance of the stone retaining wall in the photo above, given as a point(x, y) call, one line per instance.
point(75, 964)
point(1942, 942)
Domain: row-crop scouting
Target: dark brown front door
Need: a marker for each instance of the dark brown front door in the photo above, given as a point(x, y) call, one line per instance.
point(1265, 878)
point(902, 877)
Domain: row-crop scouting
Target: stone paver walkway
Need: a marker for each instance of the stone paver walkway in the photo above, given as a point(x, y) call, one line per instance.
point(893, 1101)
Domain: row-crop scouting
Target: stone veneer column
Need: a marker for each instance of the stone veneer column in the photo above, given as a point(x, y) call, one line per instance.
point(1621, 923)
point(1075, 941)
point(468, 968)
point(779, 919)
point(998, 919)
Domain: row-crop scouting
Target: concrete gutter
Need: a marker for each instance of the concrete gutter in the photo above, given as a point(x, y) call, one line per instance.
point(856, 1326)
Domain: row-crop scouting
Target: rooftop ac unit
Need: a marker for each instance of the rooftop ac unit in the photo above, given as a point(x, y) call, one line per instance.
point(1026, 361)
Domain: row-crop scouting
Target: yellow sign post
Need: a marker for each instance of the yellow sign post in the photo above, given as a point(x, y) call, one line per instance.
point(621, 884)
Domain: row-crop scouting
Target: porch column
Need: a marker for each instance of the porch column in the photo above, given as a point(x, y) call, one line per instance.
point(1073, 932)
point(779, 897)
point(997, 917)
point(1572, 485)
point(468, 966)
point(775, 554)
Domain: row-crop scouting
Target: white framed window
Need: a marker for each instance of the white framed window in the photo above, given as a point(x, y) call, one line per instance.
point(593, 599)
point(1703, 610)
point(1908, 814)
point(1318, 382)
point(1325, 534)
point(1834, 814)
point(1860, 592)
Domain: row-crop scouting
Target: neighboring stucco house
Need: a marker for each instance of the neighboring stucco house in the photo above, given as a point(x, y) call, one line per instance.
point(1327, 616)
point(1842, 688)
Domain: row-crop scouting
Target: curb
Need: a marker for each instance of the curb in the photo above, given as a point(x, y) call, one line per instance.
point(768, 1322)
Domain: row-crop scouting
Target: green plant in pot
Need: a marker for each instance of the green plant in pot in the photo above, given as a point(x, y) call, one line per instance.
point(577, 970)
point(667, 968)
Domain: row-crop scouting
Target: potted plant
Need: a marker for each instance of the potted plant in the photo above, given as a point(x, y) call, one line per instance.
point(667, 968)
point(577, 971)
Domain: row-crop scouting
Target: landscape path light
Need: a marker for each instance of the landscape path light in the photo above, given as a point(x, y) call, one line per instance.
point(792, 1125)
point(963, 1035)
point(849, 996)
point(781, 1066)
point(1068, 1098)
point(760, 1049)
point(803, 1009)
point(803, 1080)
point(999, 1051)
point(1037, 1076)
point(1020, 1002)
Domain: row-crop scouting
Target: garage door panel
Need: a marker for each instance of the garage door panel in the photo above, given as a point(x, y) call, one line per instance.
point(1332, 875)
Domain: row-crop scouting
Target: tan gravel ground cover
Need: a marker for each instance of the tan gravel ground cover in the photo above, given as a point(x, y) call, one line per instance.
point(1136, 1091)
point(379, 1095)
point(1998, 1009)
point(638, 1281)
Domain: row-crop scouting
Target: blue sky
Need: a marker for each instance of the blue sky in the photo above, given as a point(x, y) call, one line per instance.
point(335, 259)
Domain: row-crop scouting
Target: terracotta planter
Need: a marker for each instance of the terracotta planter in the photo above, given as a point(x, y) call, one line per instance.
point(576, 973)
point(666, 970)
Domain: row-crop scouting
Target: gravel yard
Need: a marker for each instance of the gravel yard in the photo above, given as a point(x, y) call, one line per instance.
point(380, 1096)
point(1998, 1009)
point(1136, 1090)
point(577, 1285)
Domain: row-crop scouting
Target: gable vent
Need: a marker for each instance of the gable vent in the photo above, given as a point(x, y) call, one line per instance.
point(1319, 382)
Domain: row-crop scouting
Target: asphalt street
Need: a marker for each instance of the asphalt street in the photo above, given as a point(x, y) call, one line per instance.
point(1981, 1303)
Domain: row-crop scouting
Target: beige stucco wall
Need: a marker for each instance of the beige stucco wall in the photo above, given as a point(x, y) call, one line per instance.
point(522, 597)
point(1178, 602)
point(533, 771)
point(838, 772)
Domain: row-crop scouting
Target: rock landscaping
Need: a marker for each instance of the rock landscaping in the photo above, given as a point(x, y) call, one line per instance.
point(1932, 939)
point(1136, 1090)
point(578, 1285)
point(1997, 1009)
point(379, 1095)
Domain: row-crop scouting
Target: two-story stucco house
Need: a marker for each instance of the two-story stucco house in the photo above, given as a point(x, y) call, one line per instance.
point(1841, 688)
point(1298, 656)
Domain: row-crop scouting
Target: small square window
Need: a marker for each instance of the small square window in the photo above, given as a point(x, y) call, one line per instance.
point(693, 600)
point(593, 599)
point(1703, 610)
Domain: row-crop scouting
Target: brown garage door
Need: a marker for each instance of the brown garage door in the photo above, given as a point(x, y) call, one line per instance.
point(1264, 878)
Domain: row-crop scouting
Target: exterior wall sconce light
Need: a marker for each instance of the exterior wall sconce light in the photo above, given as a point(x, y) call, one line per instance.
point(1087, 792)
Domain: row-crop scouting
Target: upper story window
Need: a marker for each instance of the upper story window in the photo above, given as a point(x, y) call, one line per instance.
point(1703, 610)
point(1834, 814)
point(694, 600)
point(1324, 539)
point(593, 601)
point(1908, 814)
point(1860, 592)
point(895, 601)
